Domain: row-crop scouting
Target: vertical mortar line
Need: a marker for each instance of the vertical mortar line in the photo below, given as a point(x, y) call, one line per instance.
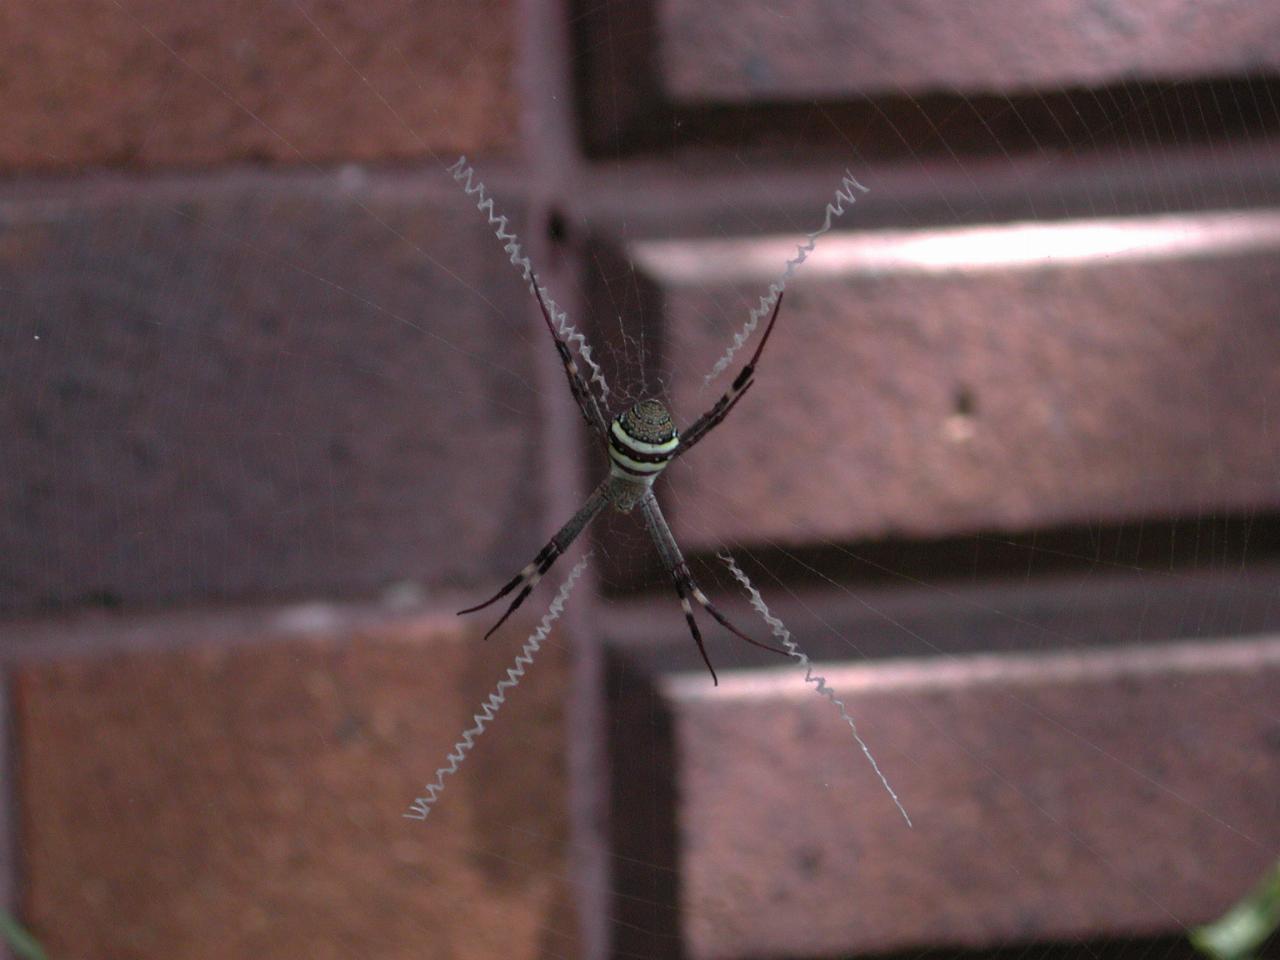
point(548, 127)
point(8, 807)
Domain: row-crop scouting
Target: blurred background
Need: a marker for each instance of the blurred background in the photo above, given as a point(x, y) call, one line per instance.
point(274, 404)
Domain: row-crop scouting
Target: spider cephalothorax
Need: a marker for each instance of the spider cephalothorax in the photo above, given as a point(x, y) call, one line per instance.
point(641, 442)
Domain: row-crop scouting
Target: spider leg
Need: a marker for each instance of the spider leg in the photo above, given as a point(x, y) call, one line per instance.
point(673, 560)
point(681, 589)
point(580, 388)
point(528, 578)
point(704, 424)
point(708, 606)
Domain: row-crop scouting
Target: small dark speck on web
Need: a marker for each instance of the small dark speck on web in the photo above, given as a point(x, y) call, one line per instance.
point(104, 599)
point(70, 389)
point(557, 227)
point(808, 860)
point(1271, 737)
point(964, 402)
point(350, 729)
point(758, 71)
point(339, 451)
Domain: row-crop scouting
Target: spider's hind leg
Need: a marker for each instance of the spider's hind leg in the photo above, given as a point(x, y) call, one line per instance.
point(721, 619)
point(528, 578)
point(674, 561)
point(682, 572)
point(682, 590)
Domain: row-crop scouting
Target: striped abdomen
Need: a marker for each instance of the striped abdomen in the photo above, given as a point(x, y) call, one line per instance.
point(642, 441)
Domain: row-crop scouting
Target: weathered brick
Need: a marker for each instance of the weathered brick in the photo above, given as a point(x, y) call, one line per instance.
point(943, 381)
point(261, 386)
point(742, 51)
point(925, 79)
point(1082, 794)
point(243, 796)
point(146, 82)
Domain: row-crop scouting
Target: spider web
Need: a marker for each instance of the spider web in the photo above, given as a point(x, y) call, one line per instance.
point(637, 364)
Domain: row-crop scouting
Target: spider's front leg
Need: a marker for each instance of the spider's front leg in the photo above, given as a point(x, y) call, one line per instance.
point(713, 417)
point(578, 386)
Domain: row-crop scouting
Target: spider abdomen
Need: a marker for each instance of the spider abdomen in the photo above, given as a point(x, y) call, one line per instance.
point(642, 441)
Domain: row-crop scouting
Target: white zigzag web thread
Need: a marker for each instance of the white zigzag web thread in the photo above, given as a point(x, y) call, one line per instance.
point(844, 195)
point(784, 635)
point(421, 806)
point(464, 174)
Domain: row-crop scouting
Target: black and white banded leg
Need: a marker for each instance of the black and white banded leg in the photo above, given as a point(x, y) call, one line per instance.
point(578, 386)
point(704, 424)
point(673, 560)
point(528, 578)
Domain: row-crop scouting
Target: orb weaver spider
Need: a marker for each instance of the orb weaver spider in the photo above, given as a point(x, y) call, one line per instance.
point(641, 441)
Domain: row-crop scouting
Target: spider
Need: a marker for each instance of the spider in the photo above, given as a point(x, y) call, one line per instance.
point(641, 441)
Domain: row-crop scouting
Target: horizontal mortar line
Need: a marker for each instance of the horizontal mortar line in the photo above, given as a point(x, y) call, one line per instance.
point(1200, 657)
point(1190, 174)
point(97, 633)
point(54, 197)
point(966, 249)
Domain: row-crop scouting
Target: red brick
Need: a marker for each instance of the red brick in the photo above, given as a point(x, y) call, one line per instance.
point(146, 82)
point(262, 386)
point(243, 797)
point(742, 51)
point(1066, 796)
point(927, 383)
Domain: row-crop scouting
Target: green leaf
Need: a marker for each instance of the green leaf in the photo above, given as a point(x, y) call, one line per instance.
point(23, 943)
point(1239, 932)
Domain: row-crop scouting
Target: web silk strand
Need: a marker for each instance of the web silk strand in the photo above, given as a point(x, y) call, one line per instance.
point(784, 636)
point(845, 197)
point(464, 174)
point(421, 806)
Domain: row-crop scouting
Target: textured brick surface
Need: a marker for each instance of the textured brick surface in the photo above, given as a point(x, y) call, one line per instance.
point(741, 50)
point(261, 386)
point(145, 82)
point(929, 383)
point(1064, 796)
point(246, 800)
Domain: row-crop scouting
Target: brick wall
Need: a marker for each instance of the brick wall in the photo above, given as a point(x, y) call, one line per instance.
point(273, 405)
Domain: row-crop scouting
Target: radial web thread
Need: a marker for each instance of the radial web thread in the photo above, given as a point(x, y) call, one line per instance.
point(844, 196)
point(465, 175)
point(421, 806)
point(784, 636)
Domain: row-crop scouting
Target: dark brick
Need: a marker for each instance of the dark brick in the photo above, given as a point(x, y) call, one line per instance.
point(261, 386)
point(243, 796)
point(147, 82)
point(922, 384)
point(742, 51)
point(1064, 796)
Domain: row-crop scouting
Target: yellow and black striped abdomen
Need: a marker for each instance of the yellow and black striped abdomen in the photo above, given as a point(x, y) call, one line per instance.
point(642, 441)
